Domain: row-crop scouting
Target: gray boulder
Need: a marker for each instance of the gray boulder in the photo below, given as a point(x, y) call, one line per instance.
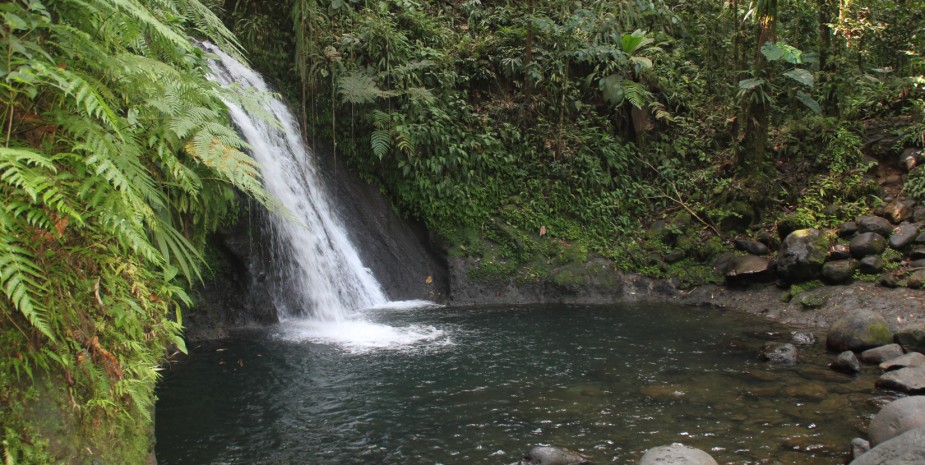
point(859, 330)
point(912, 337)
point(910, 380)
point(874, 224)
point(917, 253)
point(547, 455)
point(748, 268)
point(859, 447)
point(839, 272)
point(912, 359)
point(903, 236)
point(905, 449)
point(846, 363)
point(916, 280)
point(881, 354)
point(871, 265)
point(802, 255)
point(676, 454)
point(781, 353)
point(751, 246)
point(865, 244)
point(848, 229)
point(896, 418)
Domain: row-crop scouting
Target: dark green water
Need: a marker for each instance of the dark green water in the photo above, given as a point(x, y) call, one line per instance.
point(609, 381)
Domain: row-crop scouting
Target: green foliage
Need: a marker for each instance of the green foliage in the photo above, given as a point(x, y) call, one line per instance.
point(117, 159)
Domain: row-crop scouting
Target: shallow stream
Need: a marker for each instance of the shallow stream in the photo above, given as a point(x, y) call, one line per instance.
point(482, 386)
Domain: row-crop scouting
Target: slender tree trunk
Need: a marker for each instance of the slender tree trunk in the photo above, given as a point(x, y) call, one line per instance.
point(528, 52)
point(754, 160)
point(827, 79)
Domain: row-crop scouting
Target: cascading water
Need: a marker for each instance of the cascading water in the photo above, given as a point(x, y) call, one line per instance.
point(317, 280)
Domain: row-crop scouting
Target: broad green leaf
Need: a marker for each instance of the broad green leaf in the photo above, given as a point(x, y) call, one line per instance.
point(612, 88)
point(810, 102)
point(772, 52)
point(747, 84)
point(782, 51)
point(801, 75)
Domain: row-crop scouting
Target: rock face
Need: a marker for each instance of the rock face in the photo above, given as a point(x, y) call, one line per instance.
point(846, 363)
point(905, 449)
point(912, 337)
point(779, 353)
point(546, 455)
point(802, 255)
point(862, 329)
point(676, 454)
point(866, 244)
point(910, 380)
point(896, 418)
point(881, 354)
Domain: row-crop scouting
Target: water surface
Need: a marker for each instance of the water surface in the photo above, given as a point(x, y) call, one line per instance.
point(487, 384)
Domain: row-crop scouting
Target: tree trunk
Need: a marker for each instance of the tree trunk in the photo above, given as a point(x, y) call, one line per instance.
point(754, 160)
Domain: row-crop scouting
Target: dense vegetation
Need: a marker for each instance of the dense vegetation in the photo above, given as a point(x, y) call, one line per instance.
point(523, 132)
point(496, 122)
point(117, 158)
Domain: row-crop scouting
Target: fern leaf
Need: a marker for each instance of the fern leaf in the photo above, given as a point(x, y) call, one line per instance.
point(381, 141)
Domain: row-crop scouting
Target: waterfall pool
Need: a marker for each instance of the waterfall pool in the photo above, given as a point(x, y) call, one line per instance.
point(487, 384)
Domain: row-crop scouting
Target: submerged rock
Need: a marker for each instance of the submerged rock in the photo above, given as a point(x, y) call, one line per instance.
point(905, 449)
point(779, 353)
point(910, 380)
point(862, 329)
point(547, 455)
point(896, 418)
point(802, 255)
point(676, 454)
point(881, 354)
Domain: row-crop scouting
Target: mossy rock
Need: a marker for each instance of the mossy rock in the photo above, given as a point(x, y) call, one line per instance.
point(859, 330)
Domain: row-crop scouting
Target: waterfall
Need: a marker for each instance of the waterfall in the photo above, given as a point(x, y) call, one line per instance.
point(318, 282)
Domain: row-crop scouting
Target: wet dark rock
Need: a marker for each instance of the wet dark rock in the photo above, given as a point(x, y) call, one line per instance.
point(848, 229)
point(910, 380)
point(903, 236)
point(868, 243)
point(917, 263)
point(802, 255)
point(768, 239)
point(911, 337)
point(878, 355)
point(896, 418)
point(803, 338)
point(918, 214)
point(859, 447)
point(912, 359)
point(675, 256)
point(724, 263)
point(676, 454)
point(917, 253)
point(839, 252)
point(847, 363)
point(889, 280)
point(779, 353)
point(751, 246)
point(910, 158)
point(859, 330)
point(897, 212)
point(874, 224)
point(839, 272)
point(905, 449)
point(871, 265)
point(547, 455)
point(748, 268)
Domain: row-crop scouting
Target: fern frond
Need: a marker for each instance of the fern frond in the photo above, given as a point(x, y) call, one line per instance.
point(636, 93)
point(359, 88)
point(381, 142)
point(20, 278)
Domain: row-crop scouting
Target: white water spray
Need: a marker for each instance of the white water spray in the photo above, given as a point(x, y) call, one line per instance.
point(318, 282)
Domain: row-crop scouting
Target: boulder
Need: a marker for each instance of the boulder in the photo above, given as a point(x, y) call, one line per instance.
point(751, 246)
point(859, 447)
point(802, 255)
point(859, 330)
point(889, 280)
point(868, 243)
point(839, 272)
point(912, 359)
point(874, 224)
point(846, 363)
point(905, 449)
point(919, 263)
point(897, 212)
point(910, 158)
point(911, 337)
point(675, 256)
point(724, 262)
point(848, 229)
point(748, 268)
point(910, 380)
point(878, 355)
point(896, 418)
point(676, 454)
point(871, 265)
point(903, 236)
point(918, 214)
point(547, 455)
point(916, 280)
point(782, 353)
point(917, 253)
